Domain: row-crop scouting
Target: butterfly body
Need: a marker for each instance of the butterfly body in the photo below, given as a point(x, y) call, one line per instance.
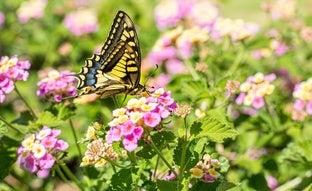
point(117, 68)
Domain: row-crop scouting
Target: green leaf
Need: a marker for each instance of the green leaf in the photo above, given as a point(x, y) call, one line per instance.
point(161, 139)
point(166, 185)
point(24, 118)
point(299, 152)
point(214, 126)
point(190, 158)
point(195, 89)
point(224, 186)
point(8, 148)
point(121, 180)
point(48, 119)
point(62, 111)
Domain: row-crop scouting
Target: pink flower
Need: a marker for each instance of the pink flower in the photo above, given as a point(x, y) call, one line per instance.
point(309, 107)
point(271, 181)
point(39, 151)
point(130, 142)
point(145, 113)
point(169, 12)
point(299, 104)
point(81, 22)
point(159, 81)
point(56, 86)
point(127, 128)
point(2, 19)
point(151, 119)
point(11, 70)
point(258, 102)
point(175, 66)
point(31, 9)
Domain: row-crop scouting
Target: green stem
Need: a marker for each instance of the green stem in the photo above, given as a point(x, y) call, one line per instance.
point(191, 69)
point(71, 176)
point(156, 167)
point(75, 137)
point(60, 173)
point(271, 114)
point(237, 61)
point(163, 158)
point(113, 163)
point(183, 155)
point(9, 125)
point(26, 103)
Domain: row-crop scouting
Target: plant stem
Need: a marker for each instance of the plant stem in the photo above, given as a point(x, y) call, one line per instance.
point(191, 69)
point(183, 155)
point(26, 103)
point(9, 124)
point(237, 61)
point(75, 137)
point(271, 114)
point(71, 176)
point(163, 158)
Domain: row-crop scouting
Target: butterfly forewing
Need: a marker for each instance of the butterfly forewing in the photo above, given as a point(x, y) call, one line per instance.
point(117, 69)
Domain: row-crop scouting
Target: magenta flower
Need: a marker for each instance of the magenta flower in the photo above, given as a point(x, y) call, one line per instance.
point(169, 12)
point(129, 123)
point(57, 85)
point(81, 22)
point(31, 9)
point(39, 151)
point(2, 18)
point(11, 70)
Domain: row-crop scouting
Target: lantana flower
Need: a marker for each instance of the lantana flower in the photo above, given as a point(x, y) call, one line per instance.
point(303, 100)
point(130, 122)
point(206, 169)
point(57, 85)
point(255, 89)
point(31, 9)
point(11, 70)
point(81, 22)
point(39, 151)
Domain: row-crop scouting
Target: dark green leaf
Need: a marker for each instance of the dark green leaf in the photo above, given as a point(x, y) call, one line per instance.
point(8, 149)
point(214, 126)
point(24, 118)
point(166, 185)
point(121, 180)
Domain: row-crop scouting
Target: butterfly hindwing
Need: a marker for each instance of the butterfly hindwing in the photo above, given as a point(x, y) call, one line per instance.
point(117, 69)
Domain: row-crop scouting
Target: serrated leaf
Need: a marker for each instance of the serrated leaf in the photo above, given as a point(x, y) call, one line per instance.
point(48, 119)
point(190, 158)
point(300, 152)
point(146, 152)
point(224, 186)
point(121, 180)
point(214, 126)
point(62, 111)
point(162, 138)
point(195, 89)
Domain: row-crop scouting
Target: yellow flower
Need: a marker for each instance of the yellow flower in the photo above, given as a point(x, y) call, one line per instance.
point(245, 87)
point(90, 133)
point(119, 112)
point(100, 163)
point(29, 142)
point(38, 150)
point(258, 78)
point(135, 116)
point(197, 172)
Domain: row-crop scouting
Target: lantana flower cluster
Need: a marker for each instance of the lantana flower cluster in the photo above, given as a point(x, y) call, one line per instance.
point(57, 85)
point(140, 114)
point(11, 70)
point(192, 23)
point(255, 89)
point(98, 151)
point(39, 151)
point(81, 22)
point(31, 9)
point(206, 169)
point(303, 103)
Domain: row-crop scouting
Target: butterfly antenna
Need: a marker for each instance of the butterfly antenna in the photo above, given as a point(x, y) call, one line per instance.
point(150, 75)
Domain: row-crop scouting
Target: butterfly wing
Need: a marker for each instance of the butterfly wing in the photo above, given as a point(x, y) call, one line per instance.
point(117, 69)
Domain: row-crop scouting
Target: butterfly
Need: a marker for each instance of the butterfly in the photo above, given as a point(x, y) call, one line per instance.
point(117, 68)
